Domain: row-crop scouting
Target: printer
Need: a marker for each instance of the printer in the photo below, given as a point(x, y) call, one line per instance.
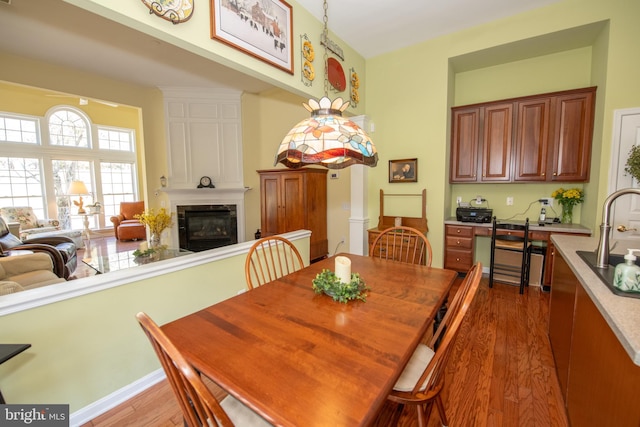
point(469, 214)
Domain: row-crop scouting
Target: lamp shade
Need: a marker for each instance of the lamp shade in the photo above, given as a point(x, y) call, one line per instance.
point(77, 187)
point(326, 139)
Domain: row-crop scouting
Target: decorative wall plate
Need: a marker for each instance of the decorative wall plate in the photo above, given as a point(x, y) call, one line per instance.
point(176, 11)
point(337, 78)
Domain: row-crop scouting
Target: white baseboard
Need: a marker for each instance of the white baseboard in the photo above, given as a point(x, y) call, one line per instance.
point(103, 405)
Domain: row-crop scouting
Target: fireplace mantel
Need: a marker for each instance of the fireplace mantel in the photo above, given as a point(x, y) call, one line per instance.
point(205, 192)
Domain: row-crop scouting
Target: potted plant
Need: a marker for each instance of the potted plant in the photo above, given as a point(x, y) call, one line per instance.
point(632, 166)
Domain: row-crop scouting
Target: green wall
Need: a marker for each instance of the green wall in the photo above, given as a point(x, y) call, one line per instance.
point(570, 44)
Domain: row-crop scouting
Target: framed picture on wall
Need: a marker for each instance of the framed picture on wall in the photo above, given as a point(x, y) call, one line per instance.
point(403, 170)
point(263, 29)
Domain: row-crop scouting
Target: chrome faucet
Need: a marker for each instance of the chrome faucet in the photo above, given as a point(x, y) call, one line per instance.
point(602, 255)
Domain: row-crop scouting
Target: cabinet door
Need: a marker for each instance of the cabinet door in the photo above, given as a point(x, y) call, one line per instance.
point(561, 306)
point(497, 142)
point(292, 206)
point(270, 204)
point(532, 139)
point(465, 133)
point(572, 136)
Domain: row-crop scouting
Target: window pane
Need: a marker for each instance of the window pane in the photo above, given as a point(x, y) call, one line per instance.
point(65, 171)
point(68, 129)
point(114, 139)
point(117, 185)
point(21, 184)
point(18, 130)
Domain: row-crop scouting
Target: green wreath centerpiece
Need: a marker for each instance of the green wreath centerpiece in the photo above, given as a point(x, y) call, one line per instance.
point(328, 282)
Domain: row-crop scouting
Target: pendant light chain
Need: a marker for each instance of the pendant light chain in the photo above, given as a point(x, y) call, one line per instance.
point(325, 36)
point(326, 138)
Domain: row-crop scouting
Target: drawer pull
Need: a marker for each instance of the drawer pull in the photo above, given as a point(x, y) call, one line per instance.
point(458, 259)
point(458, 243)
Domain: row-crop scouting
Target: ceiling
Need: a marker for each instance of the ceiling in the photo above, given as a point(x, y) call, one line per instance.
point(59, 33)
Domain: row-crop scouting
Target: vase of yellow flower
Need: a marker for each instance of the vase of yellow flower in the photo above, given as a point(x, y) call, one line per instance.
point(568, 199)
point(156, 223)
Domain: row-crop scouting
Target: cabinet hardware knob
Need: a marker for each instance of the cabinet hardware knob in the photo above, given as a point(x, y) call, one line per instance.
point(458, 231)
point(458, 242)
point(555, 174)
point(543, 174)
point(457, 259)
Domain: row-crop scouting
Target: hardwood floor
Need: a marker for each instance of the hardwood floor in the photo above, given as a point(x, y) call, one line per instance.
point(501, 372)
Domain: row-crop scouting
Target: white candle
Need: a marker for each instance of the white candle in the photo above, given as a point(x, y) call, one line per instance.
point(343, 269)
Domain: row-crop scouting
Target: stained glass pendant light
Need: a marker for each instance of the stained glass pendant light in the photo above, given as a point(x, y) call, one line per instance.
point(326, 138)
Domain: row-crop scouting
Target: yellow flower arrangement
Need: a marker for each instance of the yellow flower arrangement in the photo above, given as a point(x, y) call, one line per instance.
point(156, 222)
point(570, 197)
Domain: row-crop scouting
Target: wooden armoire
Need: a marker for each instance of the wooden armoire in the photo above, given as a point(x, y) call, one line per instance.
point(294, 199)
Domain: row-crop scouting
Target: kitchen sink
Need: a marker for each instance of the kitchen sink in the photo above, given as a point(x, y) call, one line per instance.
point(606, 274)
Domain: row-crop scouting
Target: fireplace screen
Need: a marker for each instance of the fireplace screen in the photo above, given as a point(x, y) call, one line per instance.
point(202, 227)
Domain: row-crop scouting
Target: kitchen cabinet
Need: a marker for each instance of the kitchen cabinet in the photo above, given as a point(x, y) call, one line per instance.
point(486, 130)
point(573, 133)
point(539, 138)
point(465, 143)
point(561, 308)
point(459, 244)
point(599, 381)
point(295, 199)
point(532, 139)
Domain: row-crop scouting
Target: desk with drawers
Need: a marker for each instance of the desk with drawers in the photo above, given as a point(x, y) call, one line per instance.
point(460, 242)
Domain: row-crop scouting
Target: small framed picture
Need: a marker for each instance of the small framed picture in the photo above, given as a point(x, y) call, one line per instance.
point(403, 170)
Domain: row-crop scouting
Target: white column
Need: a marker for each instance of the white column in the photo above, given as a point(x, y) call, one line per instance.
point(359, 219)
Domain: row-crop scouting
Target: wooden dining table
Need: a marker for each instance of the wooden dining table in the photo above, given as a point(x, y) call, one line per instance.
point(302, 359)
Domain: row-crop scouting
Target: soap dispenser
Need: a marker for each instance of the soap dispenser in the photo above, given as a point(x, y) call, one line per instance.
point(627, 275)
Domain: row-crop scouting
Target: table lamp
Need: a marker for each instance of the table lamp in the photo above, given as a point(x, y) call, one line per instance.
point(77, 188)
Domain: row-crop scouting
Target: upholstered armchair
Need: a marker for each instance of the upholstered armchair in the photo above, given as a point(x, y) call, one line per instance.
point(125, 225)
point(61, 249)
point(31, 226)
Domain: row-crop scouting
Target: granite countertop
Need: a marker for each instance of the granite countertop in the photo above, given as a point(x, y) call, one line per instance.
point(555, 227)
point(621, 313)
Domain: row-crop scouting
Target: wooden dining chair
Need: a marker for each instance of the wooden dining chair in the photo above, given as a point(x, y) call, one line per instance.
point(422, 379)
point(196, 400)
point(404, 244)
point(510, 253)
point(269, 259)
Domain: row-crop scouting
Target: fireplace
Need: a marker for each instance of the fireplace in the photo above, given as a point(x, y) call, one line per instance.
point(202, 227)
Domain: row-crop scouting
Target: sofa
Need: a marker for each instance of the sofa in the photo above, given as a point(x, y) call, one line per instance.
point(24, 272)
point(31, 226)
point(62, 250)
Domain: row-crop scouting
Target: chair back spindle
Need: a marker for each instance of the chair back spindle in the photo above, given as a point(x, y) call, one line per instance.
point(269, 259)
point(404, 244)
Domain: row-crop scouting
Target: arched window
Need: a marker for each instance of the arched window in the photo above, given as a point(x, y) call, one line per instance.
point(41, 156)
point(69, 128)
